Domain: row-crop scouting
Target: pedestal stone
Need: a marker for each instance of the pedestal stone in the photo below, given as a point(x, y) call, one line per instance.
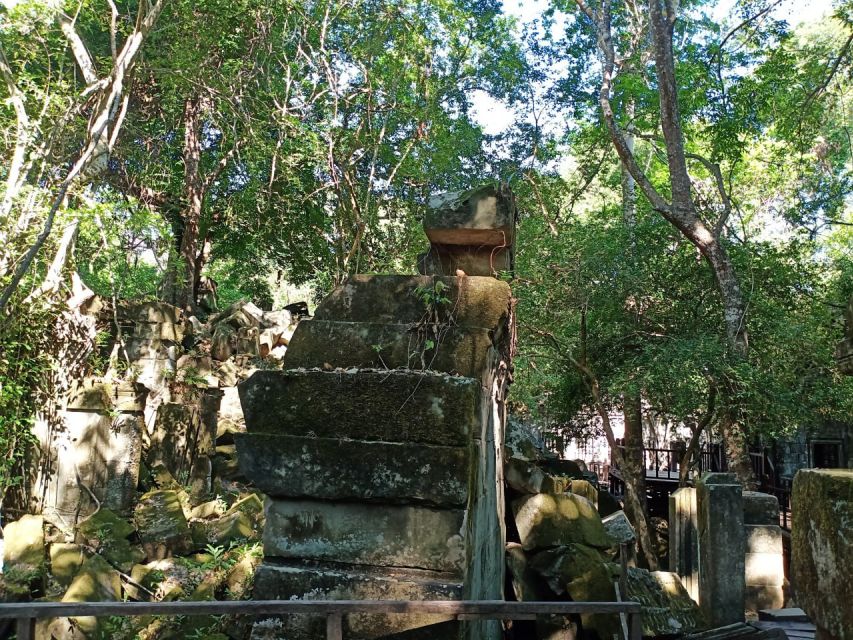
point(721, 548)
point(764, 561)
point(684, 539)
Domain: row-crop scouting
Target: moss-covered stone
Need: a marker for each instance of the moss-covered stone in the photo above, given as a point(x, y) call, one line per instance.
point(207, 510)
point(476, 302)
point(96, 581)
point(162, 525)
point(546, 521)
point(65, 561)
point(24, 552)
point(105, 523)
point(822, 548)
point(391, 406)
point(234, 527)
point(444, 348)
point(585, 489)
point(363, 534)
point(331, 469)
point(527, 585)
point(252, 504)
point(668, 609)
point(583, 574)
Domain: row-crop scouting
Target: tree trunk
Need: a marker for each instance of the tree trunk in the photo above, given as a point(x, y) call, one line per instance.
point(633, 467)
point(194, 200)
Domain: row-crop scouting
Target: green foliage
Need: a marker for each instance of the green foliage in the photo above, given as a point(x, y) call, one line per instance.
point(24, 369)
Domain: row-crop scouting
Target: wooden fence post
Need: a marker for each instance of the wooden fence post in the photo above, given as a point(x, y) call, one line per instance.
point(334, 627)
point(636, 627)
point(25, 628)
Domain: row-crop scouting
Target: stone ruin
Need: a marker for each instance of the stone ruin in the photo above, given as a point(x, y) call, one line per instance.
point(380, 442)
point(726, 547)
point(822, 549)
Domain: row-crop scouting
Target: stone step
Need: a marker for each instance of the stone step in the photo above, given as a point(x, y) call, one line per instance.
point(791, 614)
point(334, 469)
point(392, 406)
point(474, 302)
point(446, 348)
point(366, 534)
point(738, 631)
point(316, 581)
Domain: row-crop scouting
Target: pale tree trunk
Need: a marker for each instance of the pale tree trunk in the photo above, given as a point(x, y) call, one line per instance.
point(681, 211)
point(110, 106)
point(194, 198)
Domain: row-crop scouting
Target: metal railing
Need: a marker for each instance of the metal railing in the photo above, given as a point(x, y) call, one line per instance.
point(25, 614)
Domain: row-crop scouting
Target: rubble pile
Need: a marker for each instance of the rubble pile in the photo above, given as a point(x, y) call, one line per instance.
point(564, 537)
point(137, 485)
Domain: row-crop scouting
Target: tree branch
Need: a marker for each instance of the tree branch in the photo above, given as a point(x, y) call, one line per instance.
point(78, 48)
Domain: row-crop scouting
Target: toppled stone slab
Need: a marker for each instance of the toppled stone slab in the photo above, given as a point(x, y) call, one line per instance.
point(96, 581)
point(391, 406)
point(619, 528)
point(584, 575)
point(312, 581)
point(65, 561)
point(523, 476)
point(23, 551)
point(162, 525)
point(331, 469)
point(346, 345)
point(667, 607)
point(480, 217)
point(822, 549)
point(546, 520)
point(378, 535)
point(526, 583)
point(473, 302)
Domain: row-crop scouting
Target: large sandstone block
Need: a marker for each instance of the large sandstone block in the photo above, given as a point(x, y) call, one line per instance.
point(364, 405)
point(760, 508)
point(684, 539)
point(378, 535)
point(313, 581)
point(456, 350)
point(162, 525)
point(583, 574)
point(545, 520)
point(447, 260)
point(474, 302)
point(721, 548)
point(481, 217)
point(333, 469)
point(822, 548)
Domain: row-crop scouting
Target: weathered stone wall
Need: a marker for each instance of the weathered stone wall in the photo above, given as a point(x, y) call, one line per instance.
point(384, 482)
point(822, 549)
point(380, 444)
point(94, 444)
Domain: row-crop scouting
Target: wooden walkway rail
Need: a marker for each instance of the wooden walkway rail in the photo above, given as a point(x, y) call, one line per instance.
point(25, 614)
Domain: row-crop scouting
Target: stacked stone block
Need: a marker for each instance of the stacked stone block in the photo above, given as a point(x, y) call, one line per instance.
point(764, 561)
point(380, 448)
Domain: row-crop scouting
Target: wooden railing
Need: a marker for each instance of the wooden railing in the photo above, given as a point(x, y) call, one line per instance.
point(25, 614)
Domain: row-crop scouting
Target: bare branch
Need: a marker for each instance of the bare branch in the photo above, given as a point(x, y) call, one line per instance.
point(78, 48)
point(715, 171)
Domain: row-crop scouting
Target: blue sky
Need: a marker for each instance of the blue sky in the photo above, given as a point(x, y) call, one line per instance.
point(494, 117)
